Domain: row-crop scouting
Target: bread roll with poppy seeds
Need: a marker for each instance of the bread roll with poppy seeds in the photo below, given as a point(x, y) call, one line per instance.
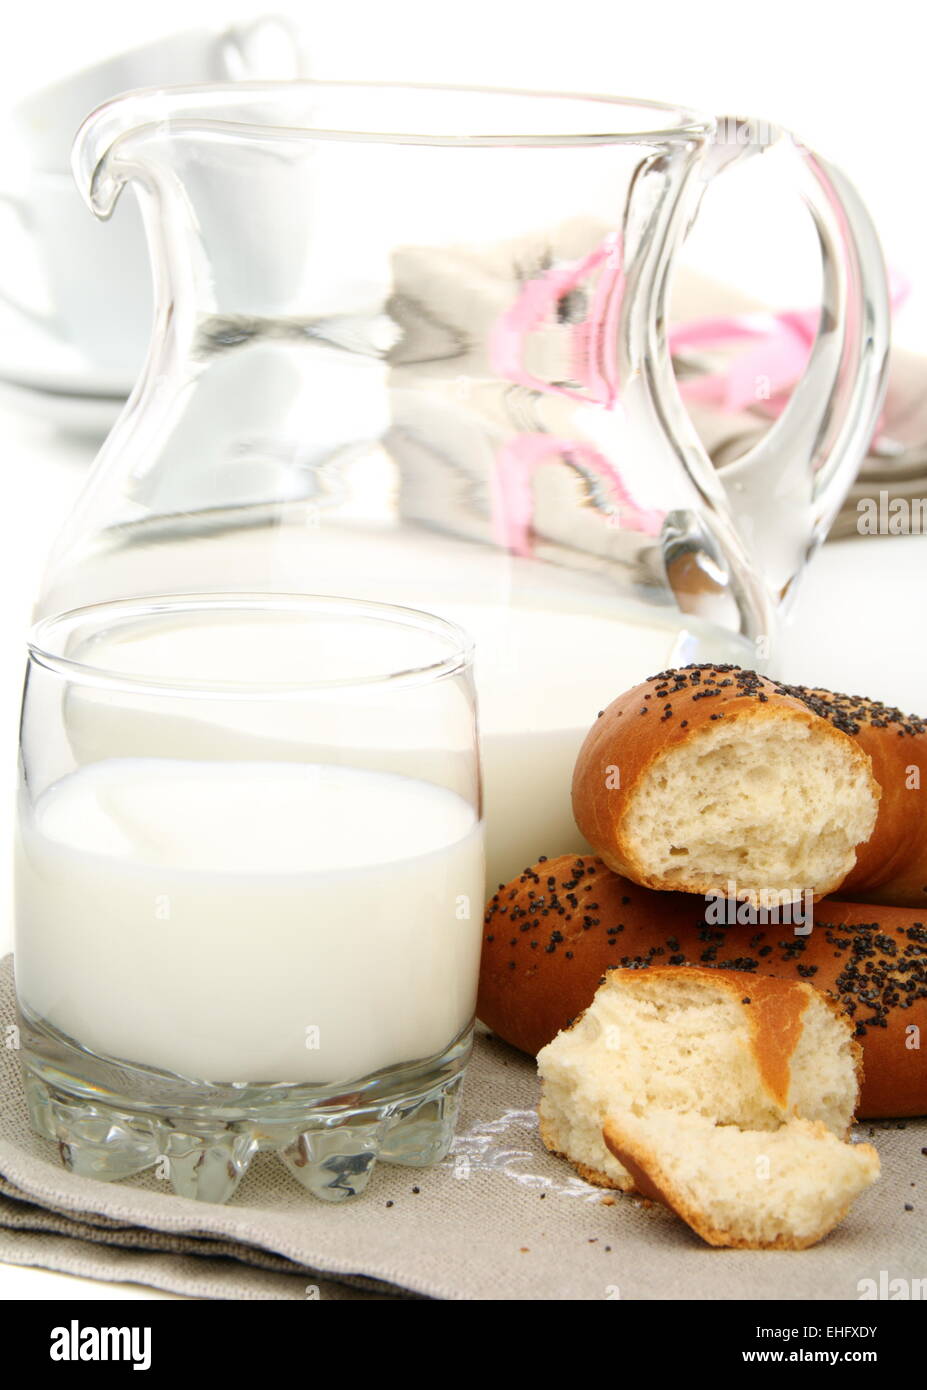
point(891, 867)
point(726, 1096)
point(552, 933)
point(711, 776)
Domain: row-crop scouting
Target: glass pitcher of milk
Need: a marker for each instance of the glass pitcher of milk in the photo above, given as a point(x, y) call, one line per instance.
point(410, 346)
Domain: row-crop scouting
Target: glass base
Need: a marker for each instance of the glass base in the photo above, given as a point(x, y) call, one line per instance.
point(112, 1120)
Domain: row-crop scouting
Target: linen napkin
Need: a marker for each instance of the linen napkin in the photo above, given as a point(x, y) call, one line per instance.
point(499, 1219)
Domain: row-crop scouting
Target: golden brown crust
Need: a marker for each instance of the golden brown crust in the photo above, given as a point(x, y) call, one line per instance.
point(643, 1182)
point(647, 722)
point(651, 1180)
point(775, 1015)
point(891, 867)
point(551, 935)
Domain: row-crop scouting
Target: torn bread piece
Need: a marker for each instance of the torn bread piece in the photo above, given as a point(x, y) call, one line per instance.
point(706, 1050)
point(783, 1189)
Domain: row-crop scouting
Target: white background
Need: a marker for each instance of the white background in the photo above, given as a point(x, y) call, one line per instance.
point(849, 79)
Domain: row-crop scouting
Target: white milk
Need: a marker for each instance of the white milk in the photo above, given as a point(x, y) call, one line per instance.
point(261, 921)
point(542, 677)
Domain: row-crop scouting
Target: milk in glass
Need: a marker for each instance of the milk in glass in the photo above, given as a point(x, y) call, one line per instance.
point(250, 921)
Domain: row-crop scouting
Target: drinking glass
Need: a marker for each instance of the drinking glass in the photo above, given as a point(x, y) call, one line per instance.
point(249, 887)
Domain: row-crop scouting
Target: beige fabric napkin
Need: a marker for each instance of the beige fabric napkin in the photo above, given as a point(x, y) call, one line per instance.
point(499, 1219)
point(895, 465)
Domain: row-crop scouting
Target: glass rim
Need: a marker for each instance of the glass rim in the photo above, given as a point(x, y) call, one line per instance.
point(457, 658)
point(153, 107)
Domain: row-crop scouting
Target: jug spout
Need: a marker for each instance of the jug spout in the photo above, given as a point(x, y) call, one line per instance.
point(269, 47)
point(100, 159)
point(237, 186)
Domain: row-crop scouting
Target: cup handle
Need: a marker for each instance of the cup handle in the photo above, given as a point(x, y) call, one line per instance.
point(267, 48)
point(784, 492)
point(21, 212)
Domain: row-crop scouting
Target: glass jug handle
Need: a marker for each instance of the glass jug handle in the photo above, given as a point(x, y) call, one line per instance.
point(785, 491)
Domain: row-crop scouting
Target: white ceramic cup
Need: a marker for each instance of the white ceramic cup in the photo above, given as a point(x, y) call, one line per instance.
point(86, 283)
point(45, 123)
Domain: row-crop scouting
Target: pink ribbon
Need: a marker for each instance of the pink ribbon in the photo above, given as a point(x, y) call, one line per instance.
point(594, 345)
point(764, 375)
point(513, 494)
point(593, 363)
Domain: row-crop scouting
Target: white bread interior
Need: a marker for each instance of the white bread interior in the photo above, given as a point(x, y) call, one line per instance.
point(669, 1056)
point(734, 1187)
point(767, 801)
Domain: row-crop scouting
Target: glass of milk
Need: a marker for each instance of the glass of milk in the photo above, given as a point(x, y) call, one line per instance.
point(250, 879)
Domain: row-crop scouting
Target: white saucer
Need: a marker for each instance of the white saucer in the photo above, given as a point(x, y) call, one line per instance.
point(90, 416)
point(50, 380)
point(33, 356)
